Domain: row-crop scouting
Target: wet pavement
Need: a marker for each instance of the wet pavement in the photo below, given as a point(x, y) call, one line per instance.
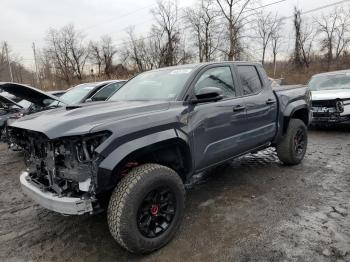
point(252, 209)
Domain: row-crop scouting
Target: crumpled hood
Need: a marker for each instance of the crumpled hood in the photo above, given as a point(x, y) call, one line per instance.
point(79, 120)
point(28, 93)
point(331, 94)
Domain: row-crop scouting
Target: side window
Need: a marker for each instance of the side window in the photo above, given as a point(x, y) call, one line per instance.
point(219, 77)
point(250, 79)
point(106, 92)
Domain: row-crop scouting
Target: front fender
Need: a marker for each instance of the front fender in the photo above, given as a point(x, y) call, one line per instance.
point(294, 106)
point(109, 165)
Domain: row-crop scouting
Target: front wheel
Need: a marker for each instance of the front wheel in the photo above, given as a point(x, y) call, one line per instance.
point(292, 148)
point(146, 208)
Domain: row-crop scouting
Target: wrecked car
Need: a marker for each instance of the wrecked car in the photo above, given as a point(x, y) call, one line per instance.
point(31, 100)
point(133, 154)
point(90, 92)
point(330, 97)
point(8, 107)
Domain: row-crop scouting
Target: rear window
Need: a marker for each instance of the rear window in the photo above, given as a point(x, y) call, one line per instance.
point(250, 80)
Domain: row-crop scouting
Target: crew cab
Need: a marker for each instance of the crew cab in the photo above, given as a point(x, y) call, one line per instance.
point(133, 154)
point(330, 97)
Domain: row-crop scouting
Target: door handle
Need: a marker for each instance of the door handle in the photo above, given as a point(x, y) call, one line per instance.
point(238, 108)
point(270, 101)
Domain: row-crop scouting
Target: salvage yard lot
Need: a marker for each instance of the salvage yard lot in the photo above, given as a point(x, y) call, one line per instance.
point(252, 209)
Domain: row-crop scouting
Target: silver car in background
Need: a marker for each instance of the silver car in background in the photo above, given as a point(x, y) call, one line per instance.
point(330, 97)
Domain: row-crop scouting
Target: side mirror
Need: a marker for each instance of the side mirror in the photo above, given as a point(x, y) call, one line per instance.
point(89, 100)
point(208, 94)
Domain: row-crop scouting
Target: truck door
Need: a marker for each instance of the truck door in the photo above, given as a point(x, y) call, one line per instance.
point(260, 103)
point(217, 125)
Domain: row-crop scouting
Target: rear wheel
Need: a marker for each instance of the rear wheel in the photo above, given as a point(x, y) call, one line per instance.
point(292, 149)
point(146, 208)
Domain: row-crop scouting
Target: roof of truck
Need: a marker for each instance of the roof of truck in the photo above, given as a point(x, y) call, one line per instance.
point(197, 65)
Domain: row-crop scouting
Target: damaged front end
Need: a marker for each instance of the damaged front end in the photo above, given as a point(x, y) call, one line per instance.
point(331, 111)
point(63, 168)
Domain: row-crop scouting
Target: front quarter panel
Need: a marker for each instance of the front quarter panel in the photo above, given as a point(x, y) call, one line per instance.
point(131, 135)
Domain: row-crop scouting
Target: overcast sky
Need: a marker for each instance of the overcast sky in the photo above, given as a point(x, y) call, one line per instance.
point(23, 22)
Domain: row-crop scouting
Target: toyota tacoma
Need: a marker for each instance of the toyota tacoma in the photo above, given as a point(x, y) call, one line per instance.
point(133, 154)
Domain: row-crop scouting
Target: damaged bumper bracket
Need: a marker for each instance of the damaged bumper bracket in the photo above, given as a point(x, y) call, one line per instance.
point(63, 205)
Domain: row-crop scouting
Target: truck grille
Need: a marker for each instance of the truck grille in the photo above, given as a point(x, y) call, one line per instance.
point(324, 103)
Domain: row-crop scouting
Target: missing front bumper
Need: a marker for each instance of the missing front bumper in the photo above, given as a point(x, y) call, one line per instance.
point(63, 205)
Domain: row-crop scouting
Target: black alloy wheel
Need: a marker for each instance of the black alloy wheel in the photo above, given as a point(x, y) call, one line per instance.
point(300, 142)
point(156, 212)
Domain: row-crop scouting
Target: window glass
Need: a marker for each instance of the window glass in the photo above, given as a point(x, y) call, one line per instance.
point(161, 84)
point(106, 91)
point(77, 93)
point(25, 104)
point(250, 79)
point(330, 82)
point(219, 77)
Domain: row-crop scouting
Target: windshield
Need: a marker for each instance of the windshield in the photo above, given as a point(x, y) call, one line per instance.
point(76, 94)
point(163, 84)
point(330, 82)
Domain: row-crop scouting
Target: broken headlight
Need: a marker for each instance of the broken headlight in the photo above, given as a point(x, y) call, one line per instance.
point(75, 157)
point(81, 148)
point(85, 148)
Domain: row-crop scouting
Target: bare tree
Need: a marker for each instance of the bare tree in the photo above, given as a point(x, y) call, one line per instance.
point(304, 40)
point(276, 38)
point(67, 52)
point(202, 20)
point(166, 17)
point(297, 59)
point(108, 53)
point(139, 52)
point(11, 66)
point(266, 26)
point(96, 55)
point(232, 11)
point(334, 28)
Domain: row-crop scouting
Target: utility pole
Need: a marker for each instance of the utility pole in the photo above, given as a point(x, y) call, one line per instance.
point(8, 61)
point(36, 66)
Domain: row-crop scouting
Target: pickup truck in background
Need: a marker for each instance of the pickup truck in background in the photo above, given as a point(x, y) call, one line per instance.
point(330, 97)
point(133, 154)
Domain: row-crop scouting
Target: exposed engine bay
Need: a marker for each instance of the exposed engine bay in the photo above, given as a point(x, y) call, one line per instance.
point(65, 166)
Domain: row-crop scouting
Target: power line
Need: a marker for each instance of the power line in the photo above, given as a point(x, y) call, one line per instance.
point(117, 18)
point(318, 9)
point(185, 27)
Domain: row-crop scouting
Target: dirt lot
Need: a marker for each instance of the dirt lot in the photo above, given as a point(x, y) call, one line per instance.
point(252, 209)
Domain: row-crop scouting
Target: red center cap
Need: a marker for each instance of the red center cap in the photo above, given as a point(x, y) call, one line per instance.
point(154, 210)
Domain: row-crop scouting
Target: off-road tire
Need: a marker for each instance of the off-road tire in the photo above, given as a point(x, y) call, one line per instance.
point(285, 150)
point(126, 199)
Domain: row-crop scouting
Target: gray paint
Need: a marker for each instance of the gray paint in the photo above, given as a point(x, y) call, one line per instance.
point(213, 132)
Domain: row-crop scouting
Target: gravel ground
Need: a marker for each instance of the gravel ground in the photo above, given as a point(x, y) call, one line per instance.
point(252, 209)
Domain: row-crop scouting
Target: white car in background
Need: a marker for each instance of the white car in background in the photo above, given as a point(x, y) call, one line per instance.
point(330, 97)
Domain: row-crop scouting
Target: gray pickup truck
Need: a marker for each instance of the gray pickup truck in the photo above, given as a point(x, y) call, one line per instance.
point(133, 154)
